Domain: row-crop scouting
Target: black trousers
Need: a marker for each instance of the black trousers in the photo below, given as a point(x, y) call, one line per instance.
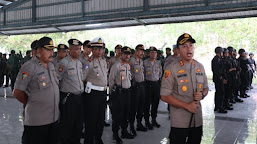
point(71, 118)
point(46, 134)
point(120, 109)
point(1, 78)
point(186, 135)
point(152, 99)
point(228, 93)
point(137, 102)
point(244, 76)
point(13, 76)
point(94, 111)
point(219, 95)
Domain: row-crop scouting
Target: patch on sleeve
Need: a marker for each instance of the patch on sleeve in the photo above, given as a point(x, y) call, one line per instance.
point(166, 74)
point(60, 69)
point(24, 75)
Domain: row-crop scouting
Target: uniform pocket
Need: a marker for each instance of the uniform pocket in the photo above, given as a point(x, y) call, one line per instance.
point(183, 88)
point(43, 82)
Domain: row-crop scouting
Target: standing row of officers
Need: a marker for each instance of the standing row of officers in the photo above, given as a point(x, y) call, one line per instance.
point(62, 95)
point(232, 77)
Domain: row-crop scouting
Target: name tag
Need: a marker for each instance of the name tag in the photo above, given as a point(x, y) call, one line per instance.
point(182, 75)
point(40, 73)
point(199, 74)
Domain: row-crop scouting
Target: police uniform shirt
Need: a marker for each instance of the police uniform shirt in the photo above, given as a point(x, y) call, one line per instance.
point(181, 81)
point(112, 61)
point(41, 87)
point(170, 59)
point(137, 69)
point(55, 61)
point(83, 59)
point(70, 75)
point(153, 70)
point(120, 74)
point(96, 72)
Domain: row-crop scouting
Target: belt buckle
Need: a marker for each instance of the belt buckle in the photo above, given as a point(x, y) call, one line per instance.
point(105, 88)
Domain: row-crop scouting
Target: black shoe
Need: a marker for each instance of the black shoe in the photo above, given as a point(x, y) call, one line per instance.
point(239, 100)
point(132, 130)
point(116, 139)
point(148, 126)
point(222, 111)
point(232, 101)
point(229, 104)
point(155, 124)
point(140, 127)
point(247, 95)
point(243, 96)
point(228, 108)
point(126, 135)
point(251, 87)
point(99, 141)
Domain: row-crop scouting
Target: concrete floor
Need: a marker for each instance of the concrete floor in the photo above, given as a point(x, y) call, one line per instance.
point(236, 127)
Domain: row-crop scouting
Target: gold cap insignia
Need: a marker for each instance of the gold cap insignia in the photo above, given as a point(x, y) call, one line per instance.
point(186, 35)
point(51, 42)
point(100, 40)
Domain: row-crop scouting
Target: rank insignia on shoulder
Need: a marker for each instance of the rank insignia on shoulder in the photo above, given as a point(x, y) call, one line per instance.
point(166, 74)
point(181, 71)
point(181, 63)
point(24, 75)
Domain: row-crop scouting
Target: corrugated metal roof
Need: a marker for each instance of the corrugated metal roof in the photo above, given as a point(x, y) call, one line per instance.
point(46, 16)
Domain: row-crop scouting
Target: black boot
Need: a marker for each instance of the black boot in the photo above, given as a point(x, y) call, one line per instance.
point(221, 110)
point(148, 125)
point(140, 127)
point(132, 130)
point(116, 138)
point(126, 135)
point(155, 124)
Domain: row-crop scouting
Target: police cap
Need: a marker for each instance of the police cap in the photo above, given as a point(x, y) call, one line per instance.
point(126, 50)
point(152, 48)
point(118, 46)
point(34, 44)
point(140, 47)
point(184, 38)
point(62, 47)
point(251, 53)
point(45, 42)
point(85, 43)
point(97, 42)
point(74, 42)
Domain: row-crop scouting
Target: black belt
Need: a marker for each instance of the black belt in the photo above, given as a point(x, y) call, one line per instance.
point(69, 93)
point(154, 82)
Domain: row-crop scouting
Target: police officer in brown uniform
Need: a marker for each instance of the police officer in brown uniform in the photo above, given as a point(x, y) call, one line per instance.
point(95, 77)
point(71, 85)
point(116, 58)
point(138, 87)
point(184, 85)
point(153, 73)
point(62, 52)
point(37, 88)
point(119, 82)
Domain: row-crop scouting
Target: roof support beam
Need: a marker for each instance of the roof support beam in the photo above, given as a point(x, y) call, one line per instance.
point(4, 21)
point(82, 8)
point(146, 5)
point(34, 11)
